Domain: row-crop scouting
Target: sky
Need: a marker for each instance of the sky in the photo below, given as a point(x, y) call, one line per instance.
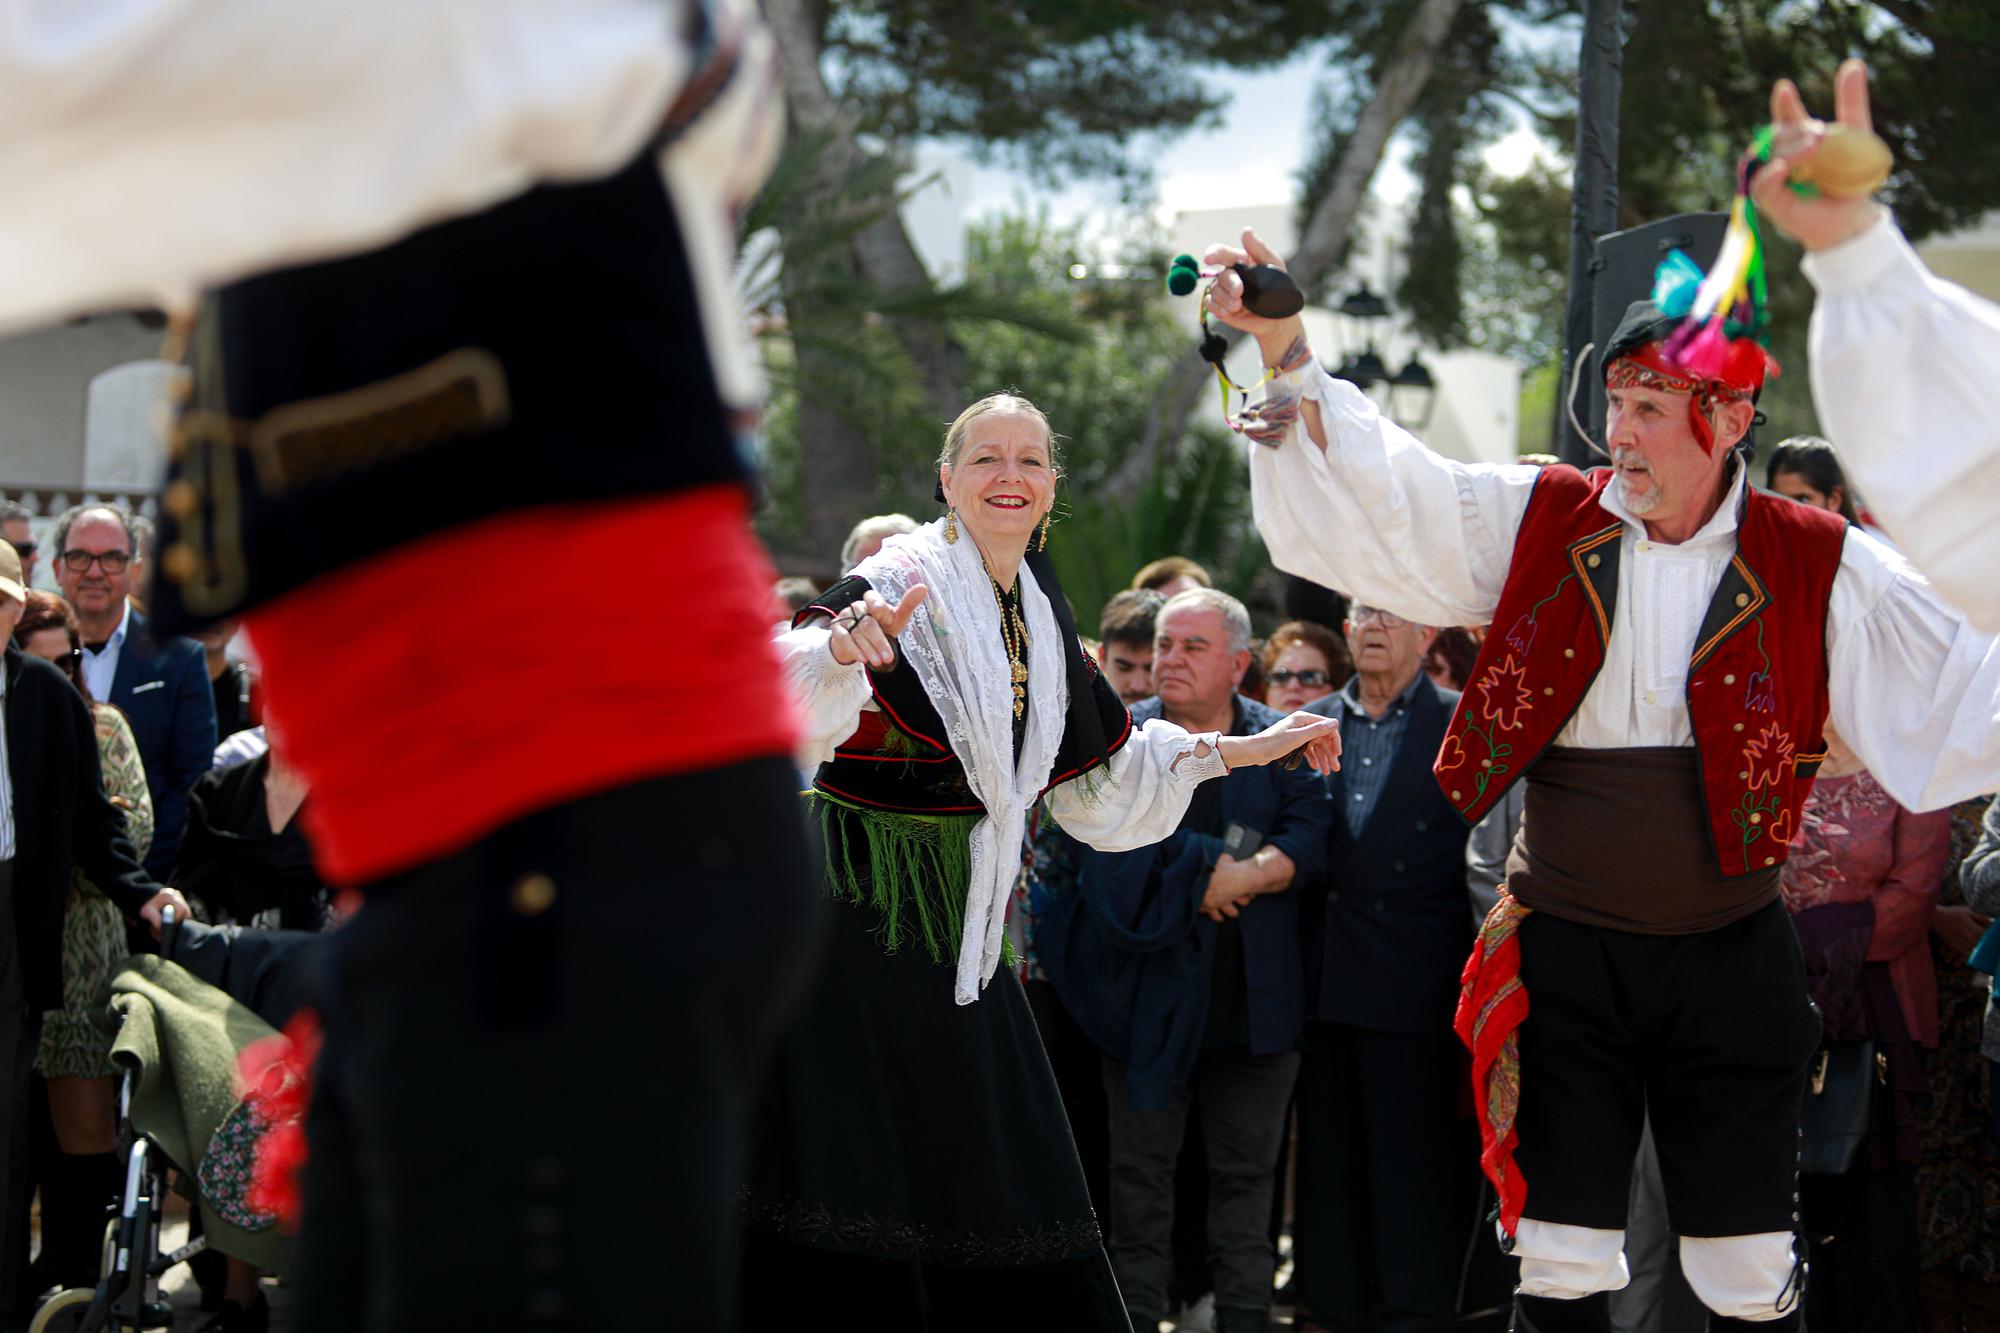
point(1251, 157)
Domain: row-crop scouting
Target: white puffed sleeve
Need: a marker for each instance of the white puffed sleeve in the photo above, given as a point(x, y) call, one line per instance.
point(829, 697)
point(1380, 517)
point(1915, 688)
point(1140, 794)
point(313, 129)
point(1903, 377)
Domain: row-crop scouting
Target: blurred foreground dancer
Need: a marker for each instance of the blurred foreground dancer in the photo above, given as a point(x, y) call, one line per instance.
point(1665, 643)
point(466, 325)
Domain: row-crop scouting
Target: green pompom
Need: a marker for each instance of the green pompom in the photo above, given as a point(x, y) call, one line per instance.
point(1185, 261)
point(1181, 281)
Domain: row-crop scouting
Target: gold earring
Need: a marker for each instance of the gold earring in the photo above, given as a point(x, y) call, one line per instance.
point(1046, 520)
point(951, 527)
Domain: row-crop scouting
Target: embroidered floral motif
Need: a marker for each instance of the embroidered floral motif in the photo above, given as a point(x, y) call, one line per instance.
point(226, 1170)
point(1781, 825)
point(1504, 694)
point(1522, 636)
point(1768, 758)
point(1451, 755)
point(1762, 696)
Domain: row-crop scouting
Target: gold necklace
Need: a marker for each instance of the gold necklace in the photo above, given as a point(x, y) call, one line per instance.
point(1014, 633)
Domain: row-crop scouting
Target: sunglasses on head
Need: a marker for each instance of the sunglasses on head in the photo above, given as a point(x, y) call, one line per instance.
point(1309, 679)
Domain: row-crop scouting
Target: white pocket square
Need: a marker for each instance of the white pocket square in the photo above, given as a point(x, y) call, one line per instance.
point(149, 685)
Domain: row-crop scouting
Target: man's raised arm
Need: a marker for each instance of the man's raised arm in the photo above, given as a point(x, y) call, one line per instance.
point(1350, 500)
point(1902, 374)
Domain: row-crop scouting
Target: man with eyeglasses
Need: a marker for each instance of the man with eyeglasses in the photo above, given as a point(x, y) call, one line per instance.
point(17, 530)
point(1193, 989)
point(160, 683)
point(54, 815)
point(1379, 1231)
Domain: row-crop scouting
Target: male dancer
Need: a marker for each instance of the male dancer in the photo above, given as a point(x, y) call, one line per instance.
point(1902, 372)
point(1665, 640)
point(467, 326)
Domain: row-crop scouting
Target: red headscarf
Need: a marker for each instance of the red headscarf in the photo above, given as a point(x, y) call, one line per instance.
point(1744, 370)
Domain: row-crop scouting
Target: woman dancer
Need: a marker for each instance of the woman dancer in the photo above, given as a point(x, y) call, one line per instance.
point(912, 1160)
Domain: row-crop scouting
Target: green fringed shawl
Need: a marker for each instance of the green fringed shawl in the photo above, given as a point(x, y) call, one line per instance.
point(913, 871)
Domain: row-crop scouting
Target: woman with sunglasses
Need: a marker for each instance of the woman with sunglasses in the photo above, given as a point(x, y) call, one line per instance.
point(75, 1055)
point(1303, 662)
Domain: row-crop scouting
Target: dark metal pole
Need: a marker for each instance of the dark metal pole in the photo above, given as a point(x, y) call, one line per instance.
point(1593, 202)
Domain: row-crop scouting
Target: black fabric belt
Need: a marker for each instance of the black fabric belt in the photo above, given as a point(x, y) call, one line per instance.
point(548, 350)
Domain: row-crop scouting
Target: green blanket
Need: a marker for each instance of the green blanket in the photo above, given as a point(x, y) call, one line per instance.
point(183, 1036)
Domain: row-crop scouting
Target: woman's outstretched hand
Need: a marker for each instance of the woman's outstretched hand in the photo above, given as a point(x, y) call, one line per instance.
point(1314, 738)
point(866, 630)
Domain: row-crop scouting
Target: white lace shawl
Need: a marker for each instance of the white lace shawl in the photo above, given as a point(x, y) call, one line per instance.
point(954, 645)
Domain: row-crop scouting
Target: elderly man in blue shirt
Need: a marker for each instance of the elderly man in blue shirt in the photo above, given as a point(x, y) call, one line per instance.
point(1380, 1229)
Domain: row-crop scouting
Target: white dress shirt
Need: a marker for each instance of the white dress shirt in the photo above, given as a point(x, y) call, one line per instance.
point(1904, 370)
point(1382, 518)
point(100, 669)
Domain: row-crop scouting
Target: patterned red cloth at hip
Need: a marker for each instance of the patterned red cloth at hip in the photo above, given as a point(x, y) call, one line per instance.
point(1492, 1003)
point(275, 1074)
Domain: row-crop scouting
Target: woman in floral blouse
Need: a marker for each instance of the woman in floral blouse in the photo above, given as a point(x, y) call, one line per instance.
point(1862, 884)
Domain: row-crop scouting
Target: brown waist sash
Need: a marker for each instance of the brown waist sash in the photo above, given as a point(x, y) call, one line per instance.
point(1620, 839)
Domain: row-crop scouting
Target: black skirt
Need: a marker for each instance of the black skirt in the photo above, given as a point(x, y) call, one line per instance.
point(912, 1156)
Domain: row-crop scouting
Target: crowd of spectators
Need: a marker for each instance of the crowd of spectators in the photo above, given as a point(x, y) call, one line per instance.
point(1258, 1045)
point(132, 762)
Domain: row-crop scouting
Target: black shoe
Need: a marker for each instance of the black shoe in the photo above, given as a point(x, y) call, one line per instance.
point(1230, 1319)
point(1787, 1322)
point(211, 1274)
point(234, 1318)
point(1545, 1314)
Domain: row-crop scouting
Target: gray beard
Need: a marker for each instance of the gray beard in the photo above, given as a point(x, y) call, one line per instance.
point(1638, 504)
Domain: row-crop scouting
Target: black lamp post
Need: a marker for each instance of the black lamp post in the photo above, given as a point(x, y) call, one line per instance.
point(1410, 391)
point(1412, 394)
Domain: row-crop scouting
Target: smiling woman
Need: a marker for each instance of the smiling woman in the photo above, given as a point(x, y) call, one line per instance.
point(998, 474)
point(912, 1156)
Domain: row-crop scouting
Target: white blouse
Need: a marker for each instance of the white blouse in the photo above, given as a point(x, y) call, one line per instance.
point(1382, 518)
point(1137, 801)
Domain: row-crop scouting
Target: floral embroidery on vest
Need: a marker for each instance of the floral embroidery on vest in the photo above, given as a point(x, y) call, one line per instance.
point(1765, 620)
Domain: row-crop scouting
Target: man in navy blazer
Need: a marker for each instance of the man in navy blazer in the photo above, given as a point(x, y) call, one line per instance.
point(1190, 979)
point(1380, 1229)
point(161, 685)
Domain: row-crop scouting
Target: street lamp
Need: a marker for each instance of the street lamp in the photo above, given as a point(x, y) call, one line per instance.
point(1412, 394)
point(1364, 370)
point(1409, 393)
point(1364, 305)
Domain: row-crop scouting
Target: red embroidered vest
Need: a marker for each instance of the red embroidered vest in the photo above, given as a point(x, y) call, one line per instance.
point(1756, 685)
